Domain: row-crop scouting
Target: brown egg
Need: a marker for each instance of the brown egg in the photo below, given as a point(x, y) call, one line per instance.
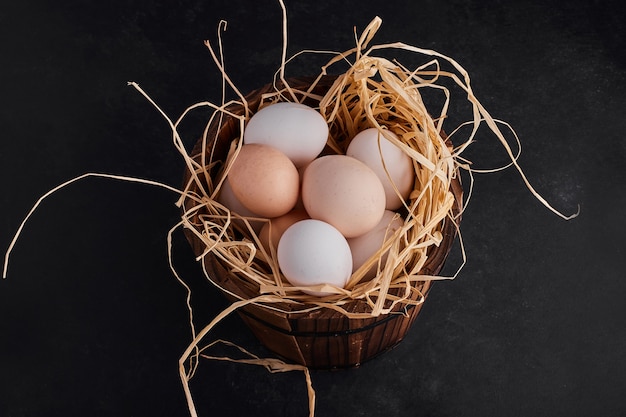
point(264, 180)
point(343, 192)
point(272, 231)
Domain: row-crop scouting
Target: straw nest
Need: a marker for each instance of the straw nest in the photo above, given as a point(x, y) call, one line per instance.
point(373, 92)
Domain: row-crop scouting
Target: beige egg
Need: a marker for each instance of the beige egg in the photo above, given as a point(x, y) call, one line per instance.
point(365, 246)
point(264, 180)
point(343, 192)
point(392, 165)
point(272, 231)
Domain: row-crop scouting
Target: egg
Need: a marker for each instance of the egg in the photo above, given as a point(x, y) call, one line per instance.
point(343, 192)
point(227, 198)
point(365, 246)
point(312, 252)
point(297, 130)
point(264, 180)
point(272, 231)
point(399, 165)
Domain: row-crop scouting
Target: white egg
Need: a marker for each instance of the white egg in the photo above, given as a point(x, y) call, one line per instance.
point(297, 130)
point(312, 252)
point(365, 246)
point(397, 167)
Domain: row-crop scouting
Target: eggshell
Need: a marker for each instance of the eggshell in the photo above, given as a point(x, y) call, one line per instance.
point(264, 180)
point(365, 246)
point(297, 130)
point(272, 231)
point(344, 192)
point(228, 199)
point(312, 252)
point(399, 166)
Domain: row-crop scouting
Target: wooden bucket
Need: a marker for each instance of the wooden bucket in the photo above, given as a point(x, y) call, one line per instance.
point(324, 338)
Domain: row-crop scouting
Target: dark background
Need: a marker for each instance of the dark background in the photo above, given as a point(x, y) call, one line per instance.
point(92, 320)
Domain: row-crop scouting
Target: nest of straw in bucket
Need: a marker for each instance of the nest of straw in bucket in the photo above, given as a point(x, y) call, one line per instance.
point(354, 323)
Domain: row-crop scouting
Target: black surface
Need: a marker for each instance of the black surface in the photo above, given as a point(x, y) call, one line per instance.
point(92, 321)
